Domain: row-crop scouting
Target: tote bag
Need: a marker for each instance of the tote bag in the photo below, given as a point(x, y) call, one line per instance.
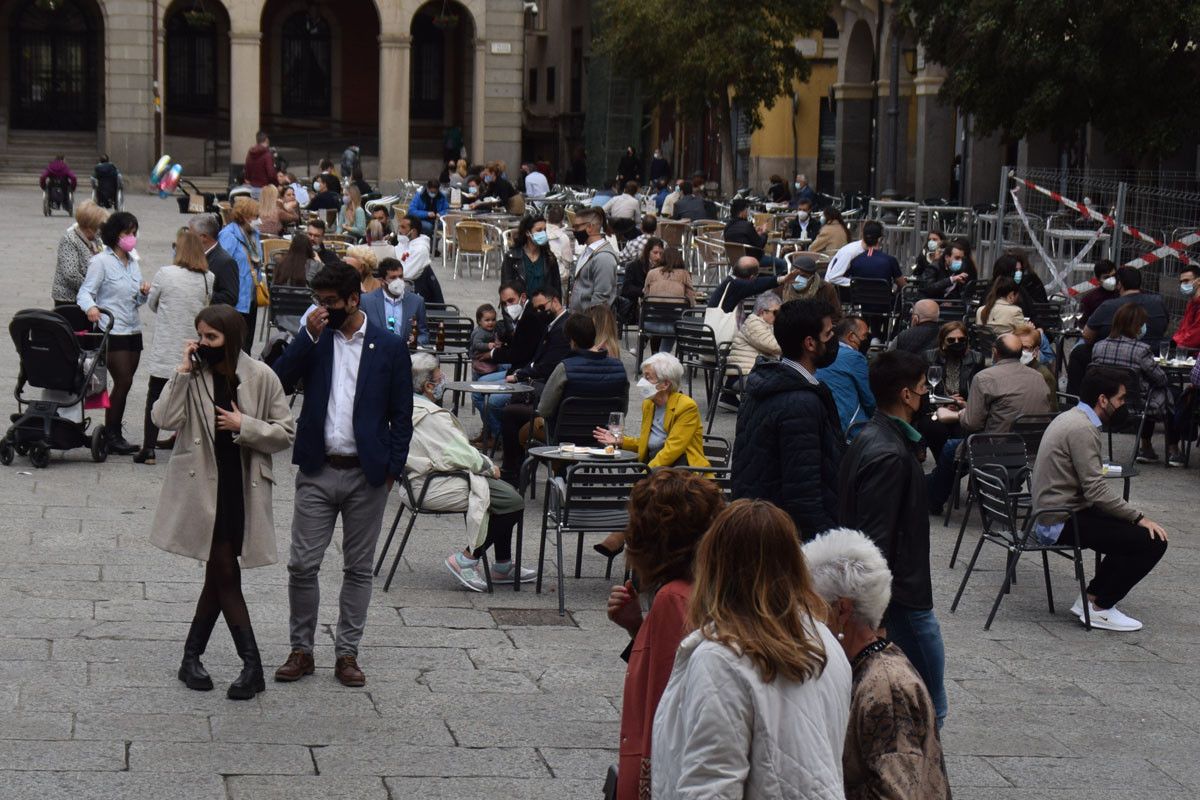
point(723, 323)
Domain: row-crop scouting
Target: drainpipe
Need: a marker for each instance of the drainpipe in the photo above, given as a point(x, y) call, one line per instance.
point(158, 144)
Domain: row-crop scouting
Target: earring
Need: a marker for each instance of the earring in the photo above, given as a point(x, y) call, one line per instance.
point(841, 636)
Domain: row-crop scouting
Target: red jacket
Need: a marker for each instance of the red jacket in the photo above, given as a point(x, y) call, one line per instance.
point(1188, 333)
point(260, 166)
point(650, 664)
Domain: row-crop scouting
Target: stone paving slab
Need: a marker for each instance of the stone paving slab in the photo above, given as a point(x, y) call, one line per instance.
point(457, 704)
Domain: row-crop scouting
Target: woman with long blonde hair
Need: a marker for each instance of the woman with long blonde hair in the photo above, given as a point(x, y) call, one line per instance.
point(352, 219)
point(759, 698)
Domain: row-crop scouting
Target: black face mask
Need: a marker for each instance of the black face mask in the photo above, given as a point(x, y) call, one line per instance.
point(210, 355)
point(582, 236)
point(828, 355)
point(956, 348)
point(1118, 419)
point(338, 317)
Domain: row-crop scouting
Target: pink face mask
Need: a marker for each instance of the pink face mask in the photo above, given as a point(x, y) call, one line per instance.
point(127, 242)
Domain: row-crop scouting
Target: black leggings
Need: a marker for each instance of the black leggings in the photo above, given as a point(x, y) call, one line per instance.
point(149, 429)
point(122, 364)
point(500, 535)
point(222, 593)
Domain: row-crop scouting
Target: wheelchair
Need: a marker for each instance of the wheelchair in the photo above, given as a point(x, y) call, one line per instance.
point(57, 196)
point(108, 187)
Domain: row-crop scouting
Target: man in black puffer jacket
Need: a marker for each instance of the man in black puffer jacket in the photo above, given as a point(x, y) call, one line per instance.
point(881, 492)
point(789, 438)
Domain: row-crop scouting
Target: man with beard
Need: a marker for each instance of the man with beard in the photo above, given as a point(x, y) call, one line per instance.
point(789, 436)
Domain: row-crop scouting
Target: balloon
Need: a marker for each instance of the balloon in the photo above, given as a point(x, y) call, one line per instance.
point(171, 179)
point(160, 167)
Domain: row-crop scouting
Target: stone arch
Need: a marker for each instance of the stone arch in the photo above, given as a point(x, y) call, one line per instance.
point(853, 97)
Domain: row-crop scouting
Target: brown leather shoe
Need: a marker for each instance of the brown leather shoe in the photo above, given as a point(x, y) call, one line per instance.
point(298, 664)
point(347, 672)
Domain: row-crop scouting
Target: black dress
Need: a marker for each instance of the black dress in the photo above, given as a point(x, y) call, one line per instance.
point(230, 523)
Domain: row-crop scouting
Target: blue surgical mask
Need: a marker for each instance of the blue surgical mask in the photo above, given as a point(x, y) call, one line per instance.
point(1142, 331)
point(540, 238)
point(800, 284)
point(1018, 275)
point(1187, 289)
point(955, 266)
point(439, 389)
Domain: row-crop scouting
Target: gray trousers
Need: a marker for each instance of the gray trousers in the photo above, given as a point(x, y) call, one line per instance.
point(319, 500)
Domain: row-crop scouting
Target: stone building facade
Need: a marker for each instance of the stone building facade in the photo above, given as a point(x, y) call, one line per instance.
point(393, 75)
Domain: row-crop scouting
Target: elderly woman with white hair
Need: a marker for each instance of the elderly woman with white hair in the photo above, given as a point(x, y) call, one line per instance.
point(672, 433)
point(756, 338)
point(892, 747)
point(492, 507)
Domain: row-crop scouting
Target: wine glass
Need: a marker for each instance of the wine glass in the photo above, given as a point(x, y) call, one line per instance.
point(934, 376)
point(616, 426)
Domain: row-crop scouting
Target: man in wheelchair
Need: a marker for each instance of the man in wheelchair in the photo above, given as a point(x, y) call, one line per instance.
point(107, 185)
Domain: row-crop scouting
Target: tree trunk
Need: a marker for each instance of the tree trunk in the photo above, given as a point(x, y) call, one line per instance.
point(728, 185)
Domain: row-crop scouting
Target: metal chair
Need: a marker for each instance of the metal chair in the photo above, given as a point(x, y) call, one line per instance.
point(417, 506)
point(874, 300)
point(574, 422)
point(590, 498)
point(723, 476)
point(472, 243)
point(1002, 526)
point(446, 225)
point(717, 450)
point(1031, 428)
point(457, 333)
point(442, 310)
point(1005, 450)
point(660, 312)
point(696, 349)
point(287, 301)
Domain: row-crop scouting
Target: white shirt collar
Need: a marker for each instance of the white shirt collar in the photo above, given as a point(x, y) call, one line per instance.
point(808, 376)
point(361, 333)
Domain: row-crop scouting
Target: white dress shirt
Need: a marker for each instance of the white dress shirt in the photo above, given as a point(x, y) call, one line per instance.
point(415, 256)
point(339, 416)
point(836, 273)
point(623, 206)
point(536, 185)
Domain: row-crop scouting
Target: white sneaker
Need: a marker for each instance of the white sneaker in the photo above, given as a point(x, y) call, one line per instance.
point(1111, 619)
point(1077, 609)
point(464, 569)
point(503, 573)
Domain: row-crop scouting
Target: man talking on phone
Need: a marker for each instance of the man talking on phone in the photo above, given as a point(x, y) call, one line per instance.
point(351, 445)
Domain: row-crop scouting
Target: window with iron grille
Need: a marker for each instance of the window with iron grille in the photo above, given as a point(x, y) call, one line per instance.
point(191, 66)
point(306, 67)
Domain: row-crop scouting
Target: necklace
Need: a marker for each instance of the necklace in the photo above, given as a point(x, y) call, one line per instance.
point(868, 651)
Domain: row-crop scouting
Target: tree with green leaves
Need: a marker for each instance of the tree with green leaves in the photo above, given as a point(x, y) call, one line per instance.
point(695, 53)
point(1132, 70)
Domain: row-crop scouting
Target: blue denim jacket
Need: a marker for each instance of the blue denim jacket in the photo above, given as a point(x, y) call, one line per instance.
point(236, 243)
point(115, 286)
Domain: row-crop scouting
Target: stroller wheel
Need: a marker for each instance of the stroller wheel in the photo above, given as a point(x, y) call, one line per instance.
point(22, 449)
point(7, 453)
point(39, 456)
point(99, 444)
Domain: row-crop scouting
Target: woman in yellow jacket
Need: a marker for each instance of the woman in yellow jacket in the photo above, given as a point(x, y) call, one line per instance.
point(672, 432)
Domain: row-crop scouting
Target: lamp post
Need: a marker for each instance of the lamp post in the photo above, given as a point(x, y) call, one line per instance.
point(893, 111)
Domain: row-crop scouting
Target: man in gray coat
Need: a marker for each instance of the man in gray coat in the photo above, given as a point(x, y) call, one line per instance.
point(595, 281)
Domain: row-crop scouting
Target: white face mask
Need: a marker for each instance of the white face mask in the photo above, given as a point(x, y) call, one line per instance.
point(1027, 356)
point(932, 245)
point(646, 389)
point(439, 390)
point(396, 287)
point(802, 216)
point(1109, 283)
point(514, 311)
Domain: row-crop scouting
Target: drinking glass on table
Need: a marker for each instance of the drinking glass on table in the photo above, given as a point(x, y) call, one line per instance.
point(934, 377)
point(616, 426)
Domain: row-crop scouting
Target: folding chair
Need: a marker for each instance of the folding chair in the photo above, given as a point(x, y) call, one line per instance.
point(417, 506)
point(1000, 512)
point(1005, 450)
point(590, 498)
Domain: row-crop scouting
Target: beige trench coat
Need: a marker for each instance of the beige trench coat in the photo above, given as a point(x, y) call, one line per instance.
point(187, 509)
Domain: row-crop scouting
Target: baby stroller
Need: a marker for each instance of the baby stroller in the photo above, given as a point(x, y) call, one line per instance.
point(62, 355)
point(57, 195)
point(195, 201)
point(108, 189)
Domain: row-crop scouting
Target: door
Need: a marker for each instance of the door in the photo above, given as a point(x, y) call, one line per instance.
point(54, 85)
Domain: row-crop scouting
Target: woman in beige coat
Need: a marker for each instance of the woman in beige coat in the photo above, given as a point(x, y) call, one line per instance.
point(755, 338)
point(231, 414)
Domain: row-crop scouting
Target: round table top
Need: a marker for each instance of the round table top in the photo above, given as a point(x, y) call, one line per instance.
point(555, 453)
point(448, 350)
point(488, 388)
point(1178, 364)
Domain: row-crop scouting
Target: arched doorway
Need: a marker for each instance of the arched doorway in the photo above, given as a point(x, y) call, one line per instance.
point(853, 96)
point(55, 48)
point(196, 82)
point(443, 58)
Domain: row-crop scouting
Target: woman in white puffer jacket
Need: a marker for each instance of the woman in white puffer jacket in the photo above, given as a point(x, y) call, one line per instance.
point(759, 699)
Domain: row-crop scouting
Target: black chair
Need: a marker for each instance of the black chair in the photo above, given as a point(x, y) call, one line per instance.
point(1004, 450)
point(981, 339)
point(590, 498)
point(441, 310)
point(1002, 526)
point(1048, 317)
point(696, 349)
point(874, 300)
point(288, 301)
point(457, 333)
point(717, 450)
point(723, 476)
point(663, 313)
point(417, 506)
point(951, 309)
point(576, 419)
point(1031, 428)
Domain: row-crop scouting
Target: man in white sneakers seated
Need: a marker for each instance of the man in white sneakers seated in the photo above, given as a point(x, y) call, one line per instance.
point(1068, 475)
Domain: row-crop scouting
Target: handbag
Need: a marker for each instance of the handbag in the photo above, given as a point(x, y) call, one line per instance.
point(723, 323)
point(262, 292)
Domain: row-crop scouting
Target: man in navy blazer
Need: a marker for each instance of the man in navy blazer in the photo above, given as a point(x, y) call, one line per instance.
point(394, 306)
point(351, 445)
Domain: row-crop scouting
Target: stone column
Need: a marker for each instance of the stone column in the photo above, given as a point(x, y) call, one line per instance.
point(128, 110)
point(478, 148)
point(935, 140)
point(851, 169)
point(244, 93)
point(395, 87)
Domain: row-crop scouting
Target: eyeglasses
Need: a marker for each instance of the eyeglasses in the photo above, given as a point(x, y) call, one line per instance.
point(326, 304)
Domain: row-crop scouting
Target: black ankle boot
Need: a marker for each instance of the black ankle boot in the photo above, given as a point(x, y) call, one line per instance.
point(191, 671)
point(250, 682)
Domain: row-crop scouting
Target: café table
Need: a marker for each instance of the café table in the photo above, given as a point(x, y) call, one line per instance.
point(475, 387)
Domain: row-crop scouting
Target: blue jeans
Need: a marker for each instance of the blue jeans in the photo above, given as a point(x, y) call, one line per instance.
point(477, 398)
point(778, 264)
point(940, 482)
point(495, 402)
point(918, 634)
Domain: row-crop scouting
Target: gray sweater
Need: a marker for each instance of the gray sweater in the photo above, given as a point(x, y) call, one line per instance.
point(1067, 471)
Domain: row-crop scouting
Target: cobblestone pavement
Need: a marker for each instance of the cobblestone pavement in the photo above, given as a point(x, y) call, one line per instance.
point(463, 700)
